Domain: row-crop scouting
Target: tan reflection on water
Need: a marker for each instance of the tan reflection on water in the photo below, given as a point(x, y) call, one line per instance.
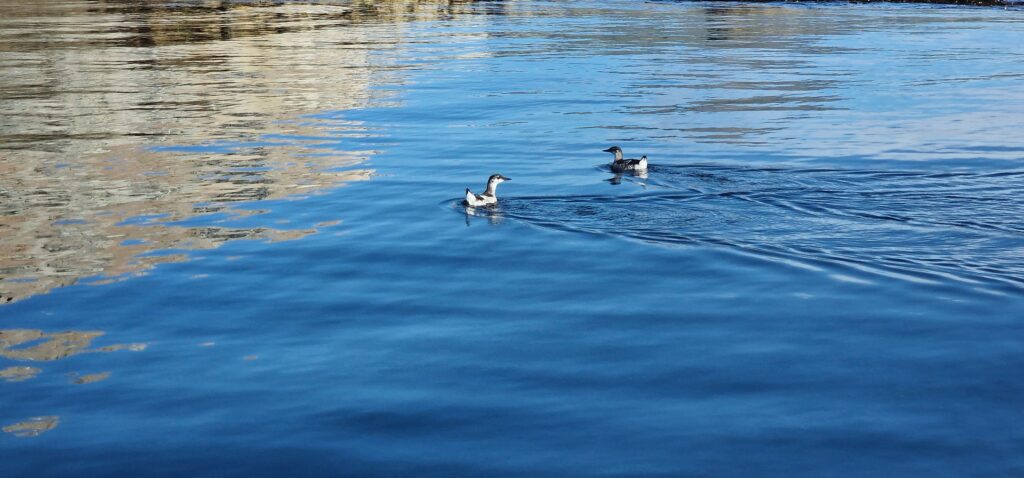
point(32, 427)
point(19, 374)
point(36, 345)
point(89, 378)
point(91, 90)
point(39, 346)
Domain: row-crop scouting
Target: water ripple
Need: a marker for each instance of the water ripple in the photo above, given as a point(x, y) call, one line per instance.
point(916, 226)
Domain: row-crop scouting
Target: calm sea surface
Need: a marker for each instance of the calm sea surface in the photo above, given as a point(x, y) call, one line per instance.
point(231, 244)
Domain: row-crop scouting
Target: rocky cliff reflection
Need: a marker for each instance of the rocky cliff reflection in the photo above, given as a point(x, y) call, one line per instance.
point(98, 96)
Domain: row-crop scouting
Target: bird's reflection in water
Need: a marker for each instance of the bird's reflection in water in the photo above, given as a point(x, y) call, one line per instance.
point(616, 179)
point(494, 213)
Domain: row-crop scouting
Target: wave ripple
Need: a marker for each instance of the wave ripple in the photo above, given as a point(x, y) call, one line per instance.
point(925, 227)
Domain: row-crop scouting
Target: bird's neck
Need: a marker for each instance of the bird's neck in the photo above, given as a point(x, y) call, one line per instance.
point(618, 155)
point(491, 186)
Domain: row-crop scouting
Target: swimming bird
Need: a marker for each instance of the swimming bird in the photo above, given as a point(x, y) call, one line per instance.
point(487, 198)
point(620, 165)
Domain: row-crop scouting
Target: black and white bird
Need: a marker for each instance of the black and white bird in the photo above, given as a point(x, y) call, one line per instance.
point(488, 198)
point(620, 165)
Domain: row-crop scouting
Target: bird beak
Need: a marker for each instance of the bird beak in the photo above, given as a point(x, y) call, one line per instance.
point(609, 150)
point(506, 179)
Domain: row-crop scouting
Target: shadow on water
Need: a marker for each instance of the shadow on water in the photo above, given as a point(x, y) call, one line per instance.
point(929, 228)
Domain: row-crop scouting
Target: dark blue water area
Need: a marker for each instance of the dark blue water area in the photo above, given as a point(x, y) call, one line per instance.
point(811, 280)
point(510, 350)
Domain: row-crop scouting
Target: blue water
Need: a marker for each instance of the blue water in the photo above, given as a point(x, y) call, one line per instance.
point(822, 274)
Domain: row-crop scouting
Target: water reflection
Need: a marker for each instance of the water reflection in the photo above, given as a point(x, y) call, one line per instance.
point(98, 216)
point(617, 177)
point(132, 136)
point(18, 374)
point(124, 119)
point(98, 94)
point(143, 126)
point(32, 427)
point(88, 378)
point(37, 345)
point(493, 214)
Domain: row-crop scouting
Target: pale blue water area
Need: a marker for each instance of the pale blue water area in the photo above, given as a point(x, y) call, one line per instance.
point(232, 243)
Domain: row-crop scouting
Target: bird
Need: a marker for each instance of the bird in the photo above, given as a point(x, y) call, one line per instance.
point(620, 165)
point(488, 198)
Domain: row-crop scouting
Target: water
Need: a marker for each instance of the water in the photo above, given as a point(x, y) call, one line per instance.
point(231, 245)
